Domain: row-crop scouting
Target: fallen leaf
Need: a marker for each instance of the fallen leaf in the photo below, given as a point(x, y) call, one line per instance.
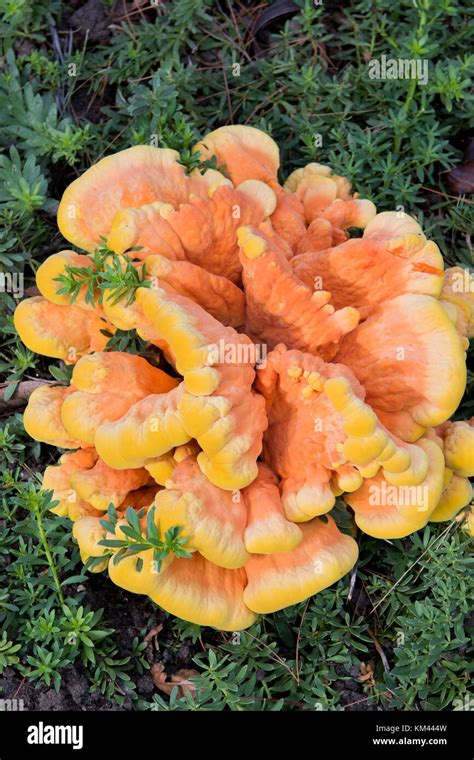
point(461, 178)
point(279, 11)
point(367, 673)
point(16, 394)
point(153, 632)
point(179, 679)
point(32, 291)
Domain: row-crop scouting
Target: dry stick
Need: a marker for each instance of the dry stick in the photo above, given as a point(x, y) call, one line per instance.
point(384, 694)
point(35, 379)
point(265, 101)
point(273, 655)
point(229, 102)
point(298, 638)
point(249, 32)
point(68, 99)
point(468, 242)
point(129, 28)
point(98, 93)
point(22, 683)
point(366, 699)
point(196, 69)
point(90, 79)
point(446, 195)
point(234, 21)
point(226, 37)
point(56, 44)
point(352, 583)
point(117, 137)
point(438, 538)
point(357, 603)
point(379, 649)
point(129, 14)
point(70, 37)
point(20, 398)
point(215, 94)
point(59, 57)
point(369, 597)
point(376, 574)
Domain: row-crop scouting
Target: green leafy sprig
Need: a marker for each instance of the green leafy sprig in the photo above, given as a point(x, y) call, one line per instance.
point(122, 282)
point(192, 160)
point(106, 271)
point(135, 543)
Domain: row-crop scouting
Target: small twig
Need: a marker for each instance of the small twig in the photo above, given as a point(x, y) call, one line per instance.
point(468, 242)
point(70, 37)
point(56, 44)
point(38, 379)
point(379, 649)
point(227, 90)
point(367, 593)
point(60, 57)
point(128, 14)
point(273, 655)
point(447, 195)
point(298, 638)
point(438, 538)
point(352, 583)
point(23, 391)
point(22, 683)
point(356, 607)
point(264, 102)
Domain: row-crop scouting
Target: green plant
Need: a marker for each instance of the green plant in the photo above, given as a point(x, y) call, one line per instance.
point(165, 77)
point(45, 665)
point(23, 187)
point(135, 543)
point(19, 362)
point(9, 448)
point(105, 272)
point(79, 629)
point(8, 652)
point(111, 676)
point(32, 119)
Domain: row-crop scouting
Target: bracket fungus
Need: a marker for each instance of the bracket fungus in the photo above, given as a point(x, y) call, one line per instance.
point(300, 366)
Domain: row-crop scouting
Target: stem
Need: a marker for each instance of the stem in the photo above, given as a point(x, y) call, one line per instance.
point(409, 98)
point(47, 551)
point(411, 92)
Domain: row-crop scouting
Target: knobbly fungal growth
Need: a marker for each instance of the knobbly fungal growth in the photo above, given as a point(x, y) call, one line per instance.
point(302, 365)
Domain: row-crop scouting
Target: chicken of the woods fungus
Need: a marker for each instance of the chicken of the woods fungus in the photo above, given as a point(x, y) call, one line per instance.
point(302, 373)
